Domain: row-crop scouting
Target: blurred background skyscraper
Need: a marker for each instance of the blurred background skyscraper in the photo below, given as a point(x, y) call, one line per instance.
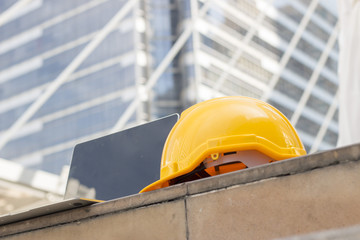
point(74, 70)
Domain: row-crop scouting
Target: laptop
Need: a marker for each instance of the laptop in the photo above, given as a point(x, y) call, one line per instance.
point(109, 167)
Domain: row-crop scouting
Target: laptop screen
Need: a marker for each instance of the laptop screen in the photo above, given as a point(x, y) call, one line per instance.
point(119, 164)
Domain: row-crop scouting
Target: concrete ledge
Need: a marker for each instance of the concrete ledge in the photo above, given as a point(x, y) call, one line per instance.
point(278, 169)
point(96, 210)
point(296, 196)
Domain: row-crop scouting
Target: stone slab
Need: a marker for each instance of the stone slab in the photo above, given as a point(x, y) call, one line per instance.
point(280, 168)
point(157, 221)
point(319, 199)
point(116, 205)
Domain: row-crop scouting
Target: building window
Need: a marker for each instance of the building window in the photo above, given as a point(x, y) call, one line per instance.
point(220, 49)
point(332, 64)
point(247, 7)
point(252, 66)
point(292, 13)
point(309, 49)
point(330, 137)
point(326, 85)
point(267, 48)
point(317, 31)
point(307, 126)
point(336, 115)
point(289, 89)
point(299, 68)
point(325, 14)
point(317, 104)
point(278, 28)
point(221, 19)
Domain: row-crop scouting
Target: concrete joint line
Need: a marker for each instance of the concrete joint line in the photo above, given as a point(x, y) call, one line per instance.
point(186, 215)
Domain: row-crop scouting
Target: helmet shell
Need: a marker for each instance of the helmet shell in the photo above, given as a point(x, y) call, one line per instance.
point(223, 125)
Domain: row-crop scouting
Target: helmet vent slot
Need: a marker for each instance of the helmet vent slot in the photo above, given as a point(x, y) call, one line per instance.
point(229, 153)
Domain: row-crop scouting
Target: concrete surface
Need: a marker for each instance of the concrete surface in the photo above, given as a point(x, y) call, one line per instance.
point(293, 197)
point(349, 233)
point(319, 199)
point(149, 224)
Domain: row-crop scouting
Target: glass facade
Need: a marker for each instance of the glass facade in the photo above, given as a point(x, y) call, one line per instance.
point(163, 56)
point(35, 49)
point(283, 52)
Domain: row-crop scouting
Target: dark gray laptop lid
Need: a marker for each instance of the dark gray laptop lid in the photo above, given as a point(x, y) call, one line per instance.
point(119, 164)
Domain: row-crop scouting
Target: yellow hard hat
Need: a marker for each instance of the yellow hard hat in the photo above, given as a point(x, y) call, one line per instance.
point(230, 133)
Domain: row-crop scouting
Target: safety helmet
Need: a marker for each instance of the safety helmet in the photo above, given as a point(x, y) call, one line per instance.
point(223, 135)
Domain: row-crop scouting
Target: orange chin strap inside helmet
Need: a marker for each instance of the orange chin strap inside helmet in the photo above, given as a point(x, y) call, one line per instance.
point(223, 135)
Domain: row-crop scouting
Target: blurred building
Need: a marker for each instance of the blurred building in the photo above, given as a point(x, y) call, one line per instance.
point(283, 52)
point(37, 44)
point(71, 71)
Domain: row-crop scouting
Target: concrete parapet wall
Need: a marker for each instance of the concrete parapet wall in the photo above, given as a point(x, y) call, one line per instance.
point(292, 197)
